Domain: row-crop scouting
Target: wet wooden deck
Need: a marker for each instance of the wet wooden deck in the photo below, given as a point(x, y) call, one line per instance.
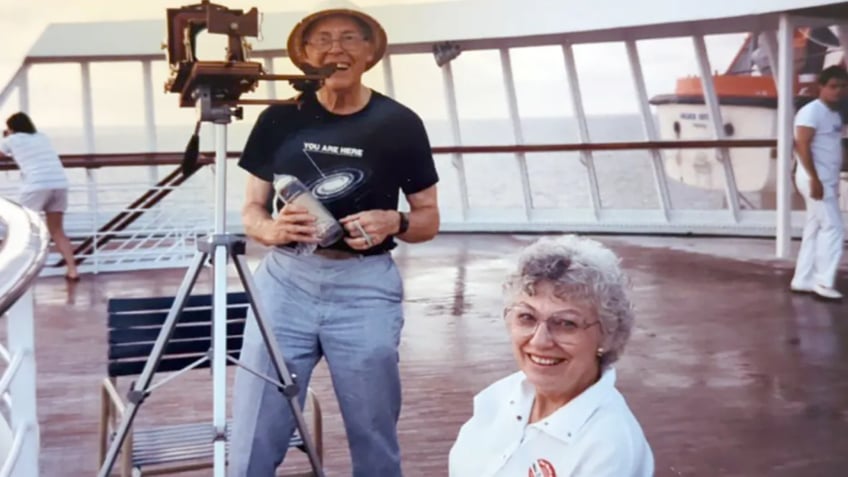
point(728, 373)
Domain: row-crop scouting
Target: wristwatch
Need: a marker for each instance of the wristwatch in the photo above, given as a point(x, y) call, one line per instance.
point(404, 223)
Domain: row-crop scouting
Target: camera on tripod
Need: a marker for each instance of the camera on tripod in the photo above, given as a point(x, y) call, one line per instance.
point(215, 89)
point(220, 84)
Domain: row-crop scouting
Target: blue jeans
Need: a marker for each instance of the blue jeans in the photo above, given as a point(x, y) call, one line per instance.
point(347, 311)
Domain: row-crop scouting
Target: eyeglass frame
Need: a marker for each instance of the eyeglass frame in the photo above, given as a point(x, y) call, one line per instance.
point(578, 326)
point(359, 38)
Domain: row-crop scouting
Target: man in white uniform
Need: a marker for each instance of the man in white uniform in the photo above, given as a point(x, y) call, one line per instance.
point(818, 143)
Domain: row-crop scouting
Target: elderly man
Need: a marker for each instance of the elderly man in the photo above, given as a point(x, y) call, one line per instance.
point(355, 150)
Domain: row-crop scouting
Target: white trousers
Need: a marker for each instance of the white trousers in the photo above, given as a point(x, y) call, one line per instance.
point(822, 242)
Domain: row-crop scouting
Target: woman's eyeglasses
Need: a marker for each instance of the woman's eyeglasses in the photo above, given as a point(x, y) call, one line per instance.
point(523, 322)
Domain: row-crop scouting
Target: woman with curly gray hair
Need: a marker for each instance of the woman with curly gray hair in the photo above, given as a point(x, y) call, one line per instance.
point(569, 318)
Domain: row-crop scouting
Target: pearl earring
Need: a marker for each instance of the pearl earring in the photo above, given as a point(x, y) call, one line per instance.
point(600, 352)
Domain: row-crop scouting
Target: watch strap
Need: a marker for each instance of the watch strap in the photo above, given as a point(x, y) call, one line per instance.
point(404, 223)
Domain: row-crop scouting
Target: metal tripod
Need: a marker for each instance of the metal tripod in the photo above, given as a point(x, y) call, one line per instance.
point(221, 246)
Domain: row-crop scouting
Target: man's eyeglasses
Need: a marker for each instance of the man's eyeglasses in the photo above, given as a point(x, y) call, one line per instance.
point(348, 41)
point(524, 323)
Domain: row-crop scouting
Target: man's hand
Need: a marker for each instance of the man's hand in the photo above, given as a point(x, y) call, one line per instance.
point(377, 225)
point(816, 189)
point(293, 224)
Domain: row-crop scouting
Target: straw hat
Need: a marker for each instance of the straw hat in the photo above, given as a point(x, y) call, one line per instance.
point(296, 44)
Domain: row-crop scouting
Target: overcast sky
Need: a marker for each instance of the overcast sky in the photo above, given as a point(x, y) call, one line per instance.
point(21, 22)
point(539, 72)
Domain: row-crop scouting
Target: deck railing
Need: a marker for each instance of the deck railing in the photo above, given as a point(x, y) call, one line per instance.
point(165, 235)
point(175, 158)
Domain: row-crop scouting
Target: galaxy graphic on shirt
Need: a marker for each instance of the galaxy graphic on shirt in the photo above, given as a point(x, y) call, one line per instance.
point(337, 183)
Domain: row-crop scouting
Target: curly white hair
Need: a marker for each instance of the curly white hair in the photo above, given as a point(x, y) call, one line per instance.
point(579, 269)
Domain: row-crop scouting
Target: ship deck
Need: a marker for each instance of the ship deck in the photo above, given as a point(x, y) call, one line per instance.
point(728, 373)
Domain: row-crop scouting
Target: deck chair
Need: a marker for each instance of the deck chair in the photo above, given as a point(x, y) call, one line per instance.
point(133, 325)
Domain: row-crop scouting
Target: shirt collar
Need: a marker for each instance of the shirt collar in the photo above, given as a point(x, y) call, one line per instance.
point(567, 420)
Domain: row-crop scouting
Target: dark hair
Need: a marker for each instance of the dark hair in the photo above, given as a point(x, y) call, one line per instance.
point(832, 72)
point(20, 123)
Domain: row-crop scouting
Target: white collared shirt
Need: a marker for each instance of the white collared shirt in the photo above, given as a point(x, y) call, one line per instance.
point(594, 435)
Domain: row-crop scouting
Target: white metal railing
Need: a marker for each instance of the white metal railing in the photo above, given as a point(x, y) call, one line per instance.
point(22, 255)
point(162, 238)
point(163, 235)
point(18, 384)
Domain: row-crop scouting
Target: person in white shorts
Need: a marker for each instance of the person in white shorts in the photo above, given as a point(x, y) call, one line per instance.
point(818, 143)
point(44, 183)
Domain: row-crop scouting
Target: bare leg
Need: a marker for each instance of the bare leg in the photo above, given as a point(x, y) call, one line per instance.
point(57, 233)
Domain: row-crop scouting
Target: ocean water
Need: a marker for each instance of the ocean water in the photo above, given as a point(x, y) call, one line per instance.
point(557, 180)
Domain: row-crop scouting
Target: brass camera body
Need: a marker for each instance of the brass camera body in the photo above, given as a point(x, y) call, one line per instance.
point(220, 84)
point(227, 80)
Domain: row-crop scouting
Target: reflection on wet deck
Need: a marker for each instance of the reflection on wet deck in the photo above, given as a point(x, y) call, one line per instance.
point(728, 373)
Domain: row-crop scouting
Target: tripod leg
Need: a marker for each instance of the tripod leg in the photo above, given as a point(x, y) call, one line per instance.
point(140, 387)
point(219, 359)
point(289, 389)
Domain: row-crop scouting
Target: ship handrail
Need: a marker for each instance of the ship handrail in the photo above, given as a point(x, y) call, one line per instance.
point(22, 253)
point(96, 160)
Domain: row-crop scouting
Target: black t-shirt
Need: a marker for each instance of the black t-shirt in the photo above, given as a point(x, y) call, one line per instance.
point(351, 163)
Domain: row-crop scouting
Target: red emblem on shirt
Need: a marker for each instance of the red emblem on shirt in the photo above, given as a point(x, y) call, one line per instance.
point(541, 468)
